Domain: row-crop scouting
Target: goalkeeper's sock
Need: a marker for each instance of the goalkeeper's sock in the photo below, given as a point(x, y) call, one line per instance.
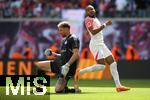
point(114, 73)
point(92, 68)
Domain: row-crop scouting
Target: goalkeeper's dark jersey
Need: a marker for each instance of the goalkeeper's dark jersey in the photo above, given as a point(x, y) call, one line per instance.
point(68, 44)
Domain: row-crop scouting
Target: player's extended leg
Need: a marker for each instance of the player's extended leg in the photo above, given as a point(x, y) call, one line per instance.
point(97, 67)
point(113, 69)
point(44, 65)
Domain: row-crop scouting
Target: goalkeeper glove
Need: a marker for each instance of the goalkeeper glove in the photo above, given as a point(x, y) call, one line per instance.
point(48, 52)
point(65, 69)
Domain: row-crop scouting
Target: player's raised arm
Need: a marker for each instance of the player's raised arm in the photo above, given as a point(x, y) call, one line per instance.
point(97, 30)
point(90, 21)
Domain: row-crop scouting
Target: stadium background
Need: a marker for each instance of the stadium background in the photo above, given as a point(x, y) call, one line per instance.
point(28, 27)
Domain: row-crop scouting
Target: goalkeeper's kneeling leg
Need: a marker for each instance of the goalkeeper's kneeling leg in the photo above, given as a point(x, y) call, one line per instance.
point(60, 85)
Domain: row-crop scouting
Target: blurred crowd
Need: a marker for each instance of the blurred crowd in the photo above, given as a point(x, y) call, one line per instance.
point(53, 8)
point(28, 40)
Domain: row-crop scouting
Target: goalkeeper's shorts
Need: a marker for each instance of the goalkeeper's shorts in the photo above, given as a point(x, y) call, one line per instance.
point(56, 67)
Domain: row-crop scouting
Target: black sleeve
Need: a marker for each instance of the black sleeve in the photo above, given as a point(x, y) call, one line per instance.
point(75, 43)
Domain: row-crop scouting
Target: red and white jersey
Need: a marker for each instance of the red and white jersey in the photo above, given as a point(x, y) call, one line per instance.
point(94, 23)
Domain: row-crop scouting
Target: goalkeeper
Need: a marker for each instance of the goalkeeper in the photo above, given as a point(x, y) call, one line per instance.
point(66, 62)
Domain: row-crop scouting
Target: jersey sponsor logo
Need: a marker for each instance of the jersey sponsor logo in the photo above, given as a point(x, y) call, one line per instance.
point(89, 24)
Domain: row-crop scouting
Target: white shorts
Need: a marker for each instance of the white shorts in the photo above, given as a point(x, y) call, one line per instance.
point(99, 51)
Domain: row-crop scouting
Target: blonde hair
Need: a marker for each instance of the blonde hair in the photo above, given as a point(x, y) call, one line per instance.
point(64, 24)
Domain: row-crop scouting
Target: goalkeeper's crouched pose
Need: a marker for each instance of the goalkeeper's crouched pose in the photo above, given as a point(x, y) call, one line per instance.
point(66, 62)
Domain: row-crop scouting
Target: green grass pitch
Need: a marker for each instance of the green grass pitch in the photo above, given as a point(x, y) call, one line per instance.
point(92, 90)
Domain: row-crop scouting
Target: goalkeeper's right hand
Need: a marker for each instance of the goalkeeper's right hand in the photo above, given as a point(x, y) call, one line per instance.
point(48, 52)
point(65, 69)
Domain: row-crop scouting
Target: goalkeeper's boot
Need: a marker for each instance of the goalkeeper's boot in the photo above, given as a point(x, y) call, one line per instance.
point(71, 90)
point(122, 88)
point(77, 90)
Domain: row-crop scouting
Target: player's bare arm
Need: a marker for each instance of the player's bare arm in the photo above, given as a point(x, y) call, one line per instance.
point(91, 13)
point(74, 57)
point(95, 31)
